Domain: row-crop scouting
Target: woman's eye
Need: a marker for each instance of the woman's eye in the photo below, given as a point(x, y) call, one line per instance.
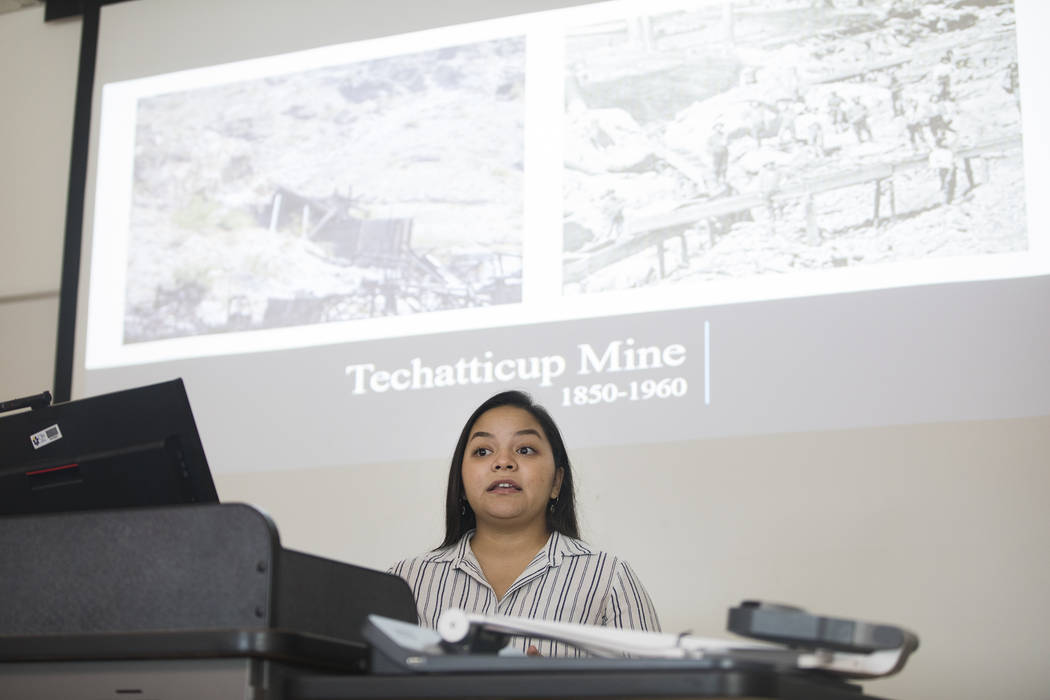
point(526, 450)
point(482, 452)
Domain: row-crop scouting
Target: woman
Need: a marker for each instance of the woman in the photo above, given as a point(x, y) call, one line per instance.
point(511, 538)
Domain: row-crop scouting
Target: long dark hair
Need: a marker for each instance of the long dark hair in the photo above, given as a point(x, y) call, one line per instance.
point(563, 517)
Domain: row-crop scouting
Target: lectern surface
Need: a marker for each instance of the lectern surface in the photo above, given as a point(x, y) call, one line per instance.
point(620, 685)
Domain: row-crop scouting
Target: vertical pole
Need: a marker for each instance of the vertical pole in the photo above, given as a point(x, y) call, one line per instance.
point(728, 22)
point(74, 233)
point(646, 26)
point(893, 200)
point(878, 192)
point(275, 212)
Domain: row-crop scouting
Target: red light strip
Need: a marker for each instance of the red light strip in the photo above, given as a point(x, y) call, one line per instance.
point(52, 469)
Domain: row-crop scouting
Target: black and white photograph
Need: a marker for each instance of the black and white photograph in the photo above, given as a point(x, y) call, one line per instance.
point(383, 187)
point(741, 139)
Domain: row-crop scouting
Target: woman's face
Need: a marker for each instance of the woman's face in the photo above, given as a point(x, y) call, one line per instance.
point(508, 469)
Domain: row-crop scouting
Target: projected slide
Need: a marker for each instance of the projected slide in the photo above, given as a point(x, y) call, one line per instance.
point(668, 220)
point(732, 141)
point(611, 158)
point(382, 187)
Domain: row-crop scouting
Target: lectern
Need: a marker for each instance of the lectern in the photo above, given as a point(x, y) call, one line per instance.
point(202, 602)
point(190, 601)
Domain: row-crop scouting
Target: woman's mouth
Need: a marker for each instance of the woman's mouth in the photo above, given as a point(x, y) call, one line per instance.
point(503, 486)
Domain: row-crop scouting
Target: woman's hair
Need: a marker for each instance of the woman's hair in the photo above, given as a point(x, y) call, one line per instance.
point(563, 517)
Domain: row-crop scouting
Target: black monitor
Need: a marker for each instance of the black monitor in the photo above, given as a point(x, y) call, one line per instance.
point(138, 447)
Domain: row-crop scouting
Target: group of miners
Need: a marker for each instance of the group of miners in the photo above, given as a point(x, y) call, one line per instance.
point(926, 114)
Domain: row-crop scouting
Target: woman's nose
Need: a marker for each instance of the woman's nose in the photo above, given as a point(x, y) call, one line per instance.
point(505, 461)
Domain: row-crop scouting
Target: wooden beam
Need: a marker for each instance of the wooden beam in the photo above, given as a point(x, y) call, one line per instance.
point(653, 230)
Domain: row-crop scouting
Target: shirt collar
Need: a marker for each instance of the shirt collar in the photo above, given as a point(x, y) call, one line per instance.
point(461, 556)
point(558, 547)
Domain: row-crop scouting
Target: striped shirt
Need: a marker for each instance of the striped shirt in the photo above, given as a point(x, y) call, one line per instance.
point(567, 581)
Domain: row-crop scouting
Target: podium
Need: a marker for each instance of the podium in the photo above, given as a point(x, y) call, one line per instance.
point(202, 602)
point(565, 686)
point(178, 601)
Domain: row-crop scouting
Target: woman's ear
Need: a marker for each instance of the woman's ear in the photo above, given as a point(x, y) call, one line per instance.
point(559, 476)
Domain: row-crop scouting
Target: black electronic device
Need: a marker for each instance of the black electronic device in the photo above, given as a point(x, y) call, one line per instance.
point(794, 627)
point(138, 447)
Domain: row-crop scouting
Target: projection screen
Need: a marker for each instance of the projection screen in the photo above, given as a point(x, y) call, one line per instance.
point(345, 224)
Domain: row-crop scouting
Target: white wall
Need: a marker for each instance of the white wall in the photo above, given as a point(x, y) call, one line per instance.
point(939, 527)
point(36, 125)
